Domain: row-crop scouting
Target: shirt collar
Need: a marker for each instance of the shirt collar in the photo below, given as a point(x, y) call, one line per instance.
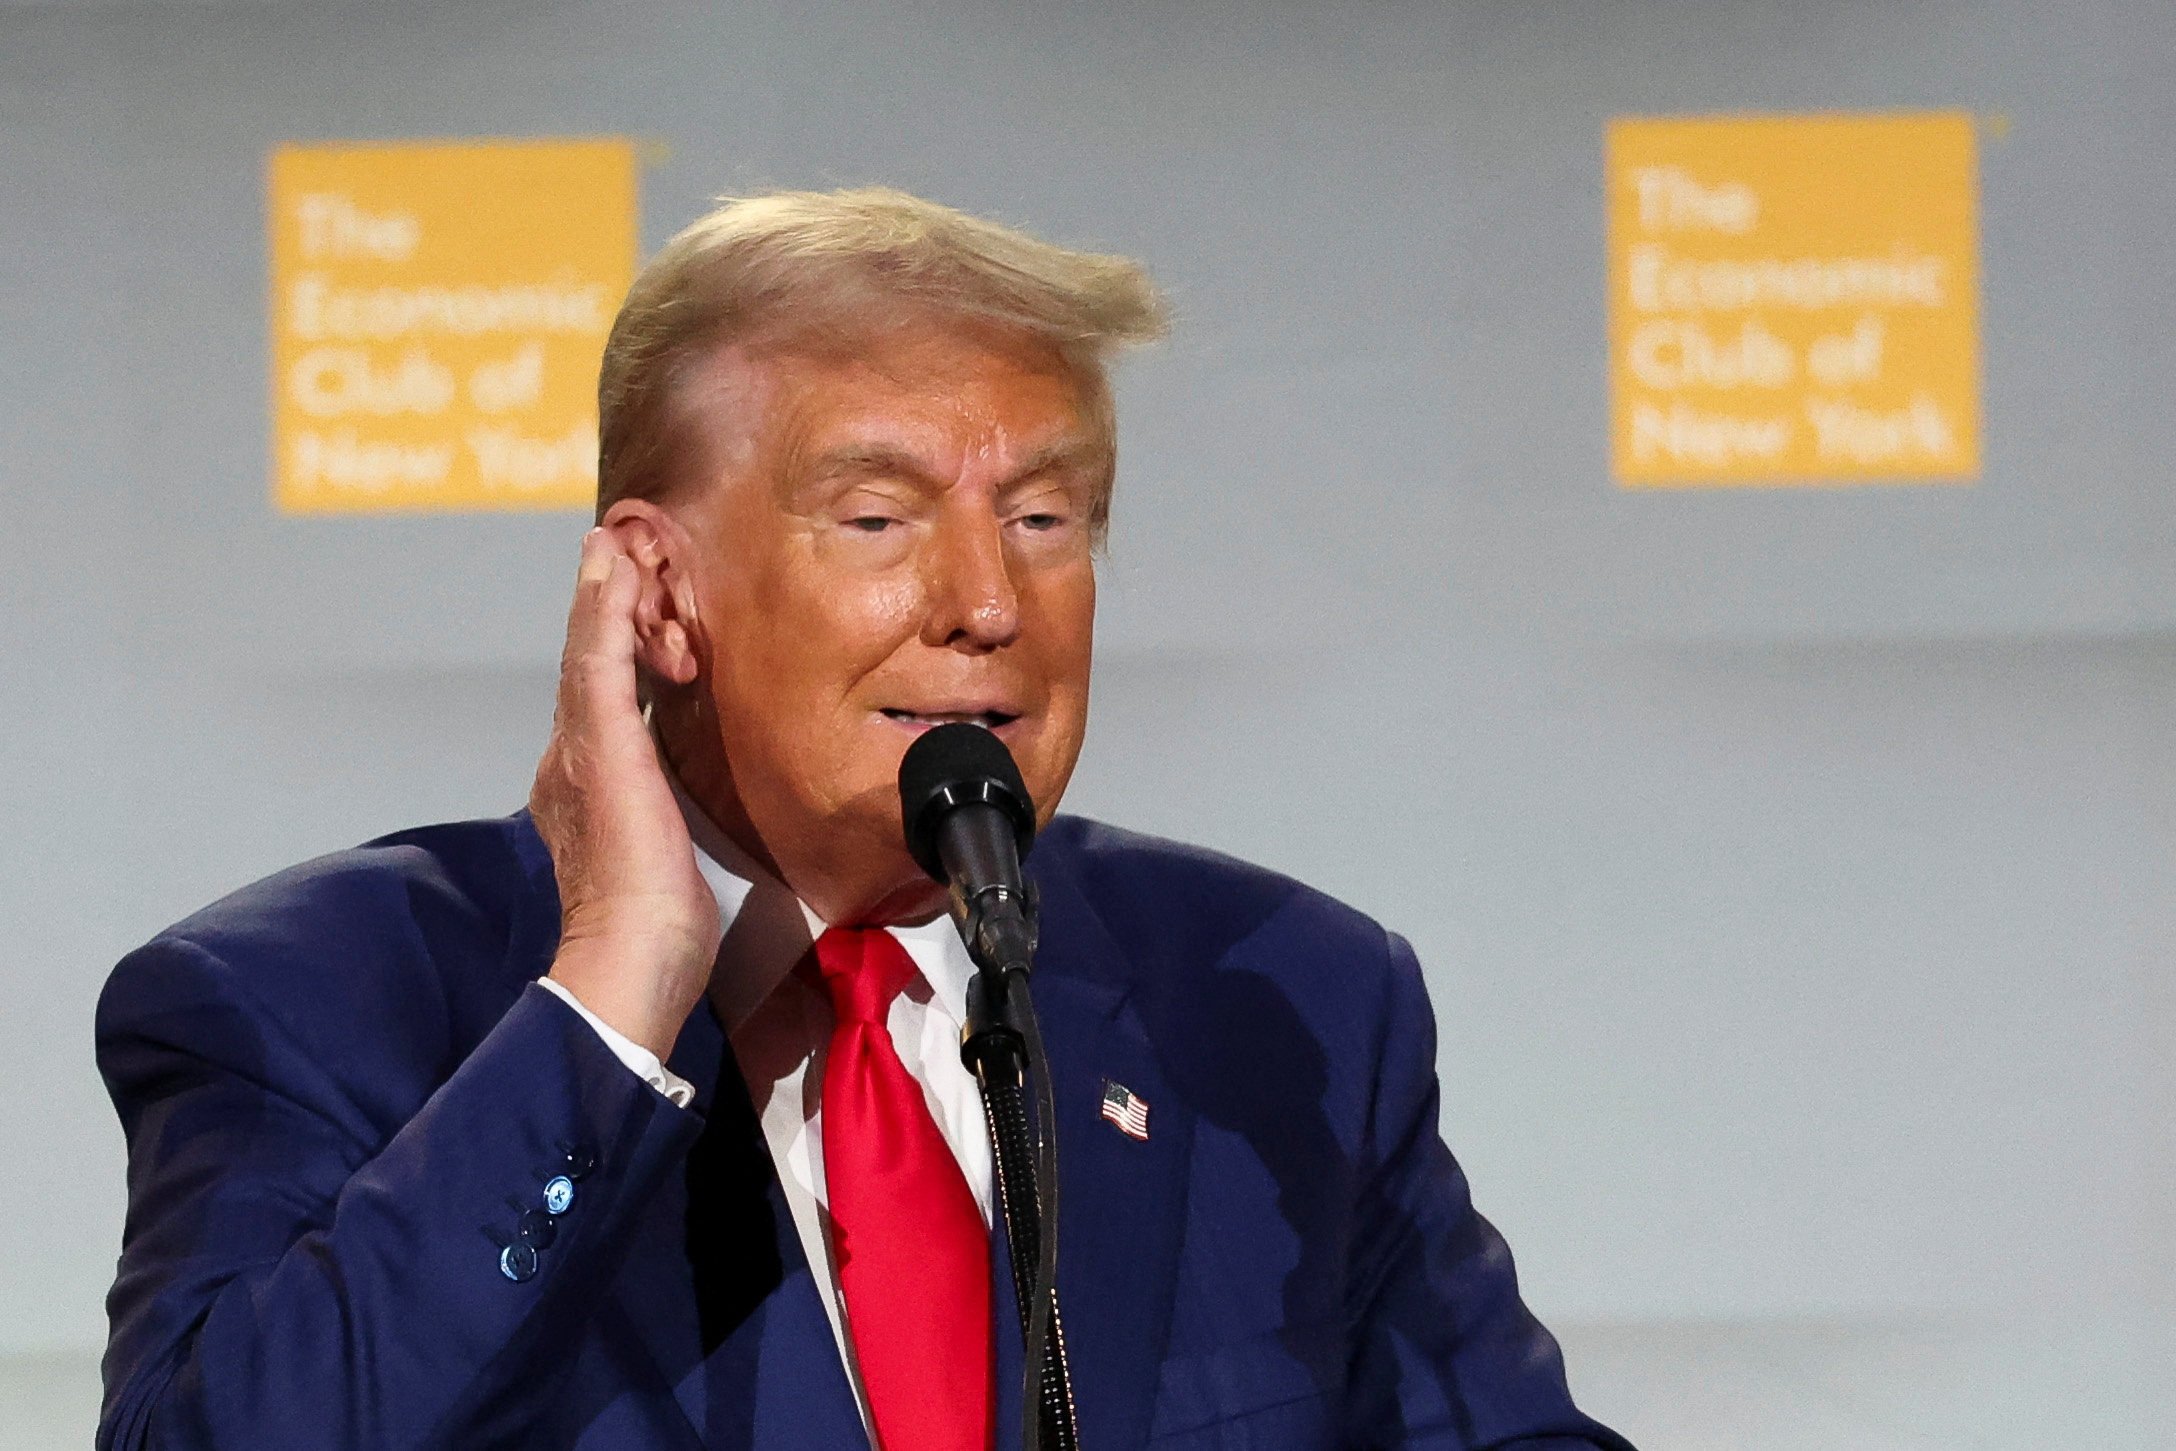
point(768, 929)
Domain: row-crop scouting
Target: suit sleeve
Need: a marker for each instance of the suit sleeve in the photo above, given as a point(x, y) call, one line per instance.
point(1446, 1355)
point(292, 1277)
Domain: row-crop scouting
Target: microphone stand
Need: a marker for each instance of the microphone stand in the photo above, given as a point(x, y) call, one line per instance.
point(1002, 1045)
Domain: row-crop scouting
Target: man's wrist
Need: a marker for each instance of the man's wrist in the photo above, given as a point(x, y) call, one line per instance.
point(619, 981)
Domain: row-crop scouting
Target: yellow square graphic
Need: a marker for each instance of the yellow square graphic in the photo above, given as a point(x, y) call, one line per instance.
point(1793, 299)
point(438, 310)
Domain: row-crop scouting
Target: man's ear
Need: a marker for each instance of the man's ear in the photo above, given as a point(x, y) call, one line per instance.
point(668, 632)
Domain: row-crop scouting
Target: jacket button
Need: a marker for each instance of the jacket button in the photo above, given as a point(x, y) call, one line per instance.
point(517, 1262)
point(536, 1229)
point(558, 1194)
point(580, 1160)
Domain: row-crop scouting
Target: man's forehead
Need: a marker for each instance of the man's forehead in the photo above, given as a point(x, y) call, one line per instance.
point(889, 401)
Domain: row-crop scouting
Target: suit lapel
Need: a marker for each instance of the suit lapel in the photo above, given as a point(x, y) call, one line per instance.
point(717, 1291)
point(1004, 1338)
point(715, 1307)
point(1122, 1206)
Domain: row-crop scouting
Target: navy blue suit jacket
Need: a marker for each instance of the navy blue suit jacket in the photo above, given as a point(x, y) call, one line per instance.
point(341, 1088)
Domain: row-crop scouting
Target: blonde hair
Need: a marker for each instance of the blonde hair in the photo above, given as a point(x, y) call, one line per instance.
point(806, 262)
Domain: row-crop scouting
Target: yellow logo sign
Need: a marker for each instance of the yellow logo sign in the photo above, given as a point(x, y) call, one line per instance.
point(1793, 299)
point(438, 311)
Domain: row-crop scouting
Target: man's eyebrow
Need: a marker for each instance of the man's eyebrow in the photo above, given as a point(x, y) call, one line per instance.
point(864, 458)
point(1060, 454)
point(853, 459)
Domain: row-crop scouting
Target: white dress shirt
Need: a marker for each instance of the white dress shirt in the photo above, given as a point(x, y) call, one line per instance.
point(779, 1022)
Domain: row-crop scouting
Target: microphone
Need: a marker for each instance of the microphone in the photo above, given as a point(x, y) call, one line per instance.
point(969, 821)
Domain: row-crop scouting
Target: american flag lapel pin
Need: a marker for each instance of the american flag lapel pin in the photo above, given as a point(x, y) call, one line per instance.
point(1127, 1109)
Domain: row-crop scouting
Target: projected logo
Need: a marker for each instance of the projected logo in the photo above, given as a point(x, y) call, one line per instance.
point(438, 311)
point(1793, 299)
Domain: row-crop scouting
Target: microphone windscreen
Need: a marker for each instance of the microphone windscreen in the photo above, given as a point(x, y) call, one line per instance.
point(950, 766)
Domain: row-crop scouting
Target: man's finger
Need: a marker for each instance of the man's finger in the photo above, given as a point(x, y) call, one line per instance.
point(596, 556)
point(595, 566)
point(597, 673)
point(601, 619)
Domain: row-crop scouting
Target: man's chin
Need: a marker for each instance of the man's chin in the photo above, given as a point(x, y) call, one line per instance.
point(850, 864)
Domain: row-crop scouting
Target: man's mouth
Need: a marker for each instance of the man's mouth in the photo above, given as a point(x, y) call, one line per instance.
point(988, 719)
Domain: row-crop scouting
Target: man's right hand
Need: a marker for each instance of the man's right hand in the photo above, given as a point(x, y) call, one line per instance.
point(639, 926)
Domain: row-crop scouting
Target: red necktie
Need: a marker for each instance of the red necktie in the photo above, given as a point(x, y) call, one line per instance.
point(913, 1256)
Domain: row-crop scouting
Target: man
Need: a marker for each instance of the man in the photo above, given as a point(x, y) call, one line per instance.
point(637, 1120)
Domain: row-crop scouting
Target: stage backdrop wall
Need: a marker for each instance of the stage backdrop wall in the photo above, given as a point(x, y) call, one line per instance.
point(1792, 868)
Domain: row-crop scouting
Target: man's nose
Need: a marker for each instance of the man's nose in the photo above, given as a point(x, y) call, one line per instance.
point(973, 604)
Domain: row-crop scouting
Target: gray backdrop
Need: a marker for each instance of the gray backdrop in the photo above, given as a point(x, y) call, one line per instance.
point(1793, 869)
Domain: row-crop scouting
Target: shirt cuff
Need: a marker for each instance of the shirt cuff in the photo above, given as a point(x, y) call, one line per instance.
point(641, 1060)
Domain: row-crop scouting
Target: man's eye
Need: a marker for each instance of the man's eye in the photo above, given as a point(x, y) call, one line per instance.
point(1043, 521)
point(871, 523)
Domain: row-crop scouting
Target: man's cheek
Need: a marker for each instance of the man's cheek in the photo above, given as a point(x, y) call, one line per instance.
point(879, 610)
